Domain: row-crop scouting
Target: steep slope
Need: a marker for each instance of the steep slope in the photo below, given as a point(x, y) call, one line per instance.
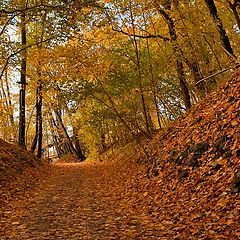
point(191, 187)
point(14, 184)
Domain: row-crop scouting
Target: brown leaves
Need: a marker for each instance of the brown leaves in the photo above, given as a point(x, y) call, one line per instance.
point(234, 123)
point(196, 182)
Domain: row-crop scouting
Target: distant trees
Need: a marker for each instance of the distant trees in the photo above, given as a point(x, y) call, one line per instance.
point(38, 15)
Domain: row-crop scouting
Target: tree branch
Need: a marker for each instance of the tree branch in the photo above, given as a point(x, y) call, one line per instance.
point(17, 52)
point(219, 72)
point(140, 36)
point(7, 12)
point(6, 24)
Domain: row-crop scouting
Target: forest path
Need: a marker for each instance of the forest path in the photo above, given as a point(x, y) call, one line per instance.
point(77, 201)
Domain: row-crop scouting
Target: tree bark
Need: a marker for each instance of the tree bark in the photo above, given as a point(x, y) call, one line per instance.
point(177, 52)
point(218, 22)
point(145, 114)
point(153, 84)
point(54, 136)
point(22, 120)
point(7, 104)
point(233, 7)
point(37, 141)
point(9, 100)
point(39, 117)
point(67, 136)
point(77, 145)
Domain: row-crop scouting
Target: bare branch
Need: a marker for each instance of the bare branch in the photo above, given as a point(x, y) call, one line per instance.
point(219, 72)
point(141, 36)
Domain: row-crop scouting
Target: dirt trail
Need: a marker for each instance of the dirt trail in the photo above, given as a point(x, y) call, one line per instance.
point(76, 201)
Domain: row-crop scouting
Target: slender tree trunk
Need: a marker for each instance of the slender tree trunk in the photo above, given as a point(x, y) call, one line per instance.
point(7, 108)
point(22, 120)
point(77, 145)
point(67, 136)
point(177, 52)
point(214, 53)
point(157, 109)
point(34, 142)
point(9, 99)
point(183, 85)
point(37, 141)
point(125, 124)
point(218, 22)
point(192, 64)
point(58, 127)
point(136, 124)
point(140, 75)
point(47, 141)
point(39, 117)
point(153, 83)
point(55, 138)
point(233, 7)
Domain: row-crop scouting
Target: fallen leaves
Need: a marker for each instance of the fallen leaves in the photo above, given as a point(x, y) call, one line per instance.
point(198, 164)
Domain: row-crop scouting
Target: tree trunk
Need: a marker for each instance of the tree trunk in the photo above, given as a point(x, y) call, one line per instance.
point(145, 115)
point(157, 109)
point(54, 136)
point(6, 108)
point(67, 136)
point(37, 141)
point(9, 99)
point(34, 142)
point(153, 83)
point(39, 117)
point(183, 85)
point(177, 52)
point(22, 120)
point(233, 7)
point(218, 22)
point(77, 145)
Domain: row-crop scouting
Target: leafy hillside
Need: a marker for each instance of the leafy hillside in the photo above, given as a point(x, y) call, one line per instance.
point(191, 188)
point(13, 185)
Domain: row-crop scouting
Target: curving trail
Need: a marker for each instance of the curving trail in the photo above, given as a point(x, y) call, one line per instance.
point(77, 201)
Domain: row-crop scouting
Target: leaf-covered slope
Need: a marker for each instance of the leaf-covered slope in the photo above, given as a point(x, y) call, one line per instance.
point(207, 139)
point(13, 184)
point(192, 185)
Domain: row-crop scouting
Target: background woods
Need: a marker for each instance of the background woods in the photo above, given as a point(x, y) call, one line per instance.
point(96, 73)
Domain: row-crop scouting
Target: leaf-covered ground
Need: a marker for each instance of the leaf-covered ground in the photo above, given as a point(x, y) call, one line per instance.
point(113, 201)
point(14, 185)
point(193, 186)
point(79, 201)
point(189, 189)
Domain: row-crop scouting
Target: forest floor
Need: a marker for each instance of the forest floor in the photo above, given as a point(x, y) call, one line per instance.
point(187, 188)
point(80, 201)
point(109, 200)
